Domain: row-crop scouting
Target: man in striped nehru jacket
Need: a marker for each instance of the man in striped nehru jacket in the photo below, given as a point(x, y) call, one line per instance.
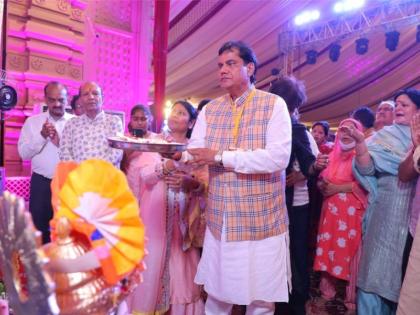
point(244, 137)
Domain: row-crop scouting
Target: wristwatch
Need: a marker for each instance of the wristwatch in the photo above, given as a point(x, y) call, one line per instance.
point(218, 158)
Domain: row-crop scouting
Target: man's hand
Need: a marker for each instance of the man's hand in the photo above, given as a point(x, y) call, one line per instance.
point(321, 162)
point(202, 156)
point(55, 140)
point(48, 130)
point(293, 177)
point(45, 131)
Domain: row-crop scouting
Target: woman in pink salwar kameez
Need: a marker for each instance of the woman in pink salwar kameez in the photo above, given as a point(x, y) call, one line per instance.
point(170, 200)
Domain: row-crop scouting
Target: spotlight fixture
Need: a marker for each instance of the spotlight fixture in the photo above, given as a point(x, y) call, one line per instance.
point(307, 17)
point(362, 46)
point(418, 34)
point(275, 72)
point(334, 52)
point(347, 5)
point(311, 56)
point(391, 40)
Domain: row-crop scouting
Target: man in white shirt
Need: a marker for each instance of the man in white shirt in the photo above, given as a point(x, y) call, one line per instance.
point(86, 136)
point(39, 141)
point(244, 137)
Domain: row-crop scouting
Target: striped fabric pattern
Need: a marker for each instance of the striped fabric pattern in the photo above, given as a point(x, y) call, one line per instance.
point(253, 205)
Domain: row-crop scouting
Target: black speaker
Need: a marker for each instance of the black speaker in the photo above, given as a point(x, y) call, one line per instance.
point(8, 97)
point(362, 46)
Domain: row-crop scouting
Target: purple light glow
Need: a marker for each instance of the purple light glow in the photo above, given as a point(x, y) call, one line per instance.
point(12, 135)
point(357, 65)
point(82, 5)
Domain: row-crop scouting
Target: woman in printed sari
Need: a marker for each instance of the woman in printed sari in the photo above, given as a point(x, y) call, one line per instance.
point(339, 232)
point(170, 209)
point(376, 168)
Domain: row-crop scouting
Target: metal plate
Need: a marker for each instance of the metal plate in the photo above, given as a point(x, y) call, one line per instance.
point(151, 146)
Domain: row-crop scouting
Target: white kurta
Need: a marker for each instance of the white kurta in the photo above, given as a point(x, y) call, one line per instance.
point(245, 271)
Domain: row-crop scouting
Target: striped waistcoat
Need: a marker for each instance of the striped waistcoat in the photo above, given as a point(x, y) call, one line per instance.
point(252, 205)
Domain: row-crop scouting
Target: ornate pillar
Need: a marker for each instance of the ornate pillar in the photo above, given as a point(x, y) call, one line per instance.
point(71, 41)
point(160, 53)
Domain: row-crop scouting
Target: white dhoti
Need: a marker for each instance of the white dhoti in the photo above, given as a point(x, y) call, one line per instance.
point(241, 272)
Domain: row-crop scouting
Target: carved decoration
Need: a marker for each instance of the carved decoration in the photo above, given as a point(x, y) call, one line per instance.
point(63, 5)
point(75, 73)
point(14, 61)
point(39, 2)
point(36, 63)
point(60, 68)
point(76, 14)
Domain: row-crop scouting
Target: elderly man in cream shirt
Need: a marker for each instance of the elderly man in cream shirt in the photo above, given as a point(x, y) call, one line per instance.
point(85, 137)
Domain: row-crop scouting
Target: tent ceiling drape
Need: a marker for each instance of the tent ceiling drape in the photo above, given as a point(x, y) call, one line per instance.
point(334, 89)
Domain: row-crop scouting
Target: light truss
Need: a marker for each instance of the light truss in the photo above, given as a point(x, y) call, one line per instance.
point(379, 16)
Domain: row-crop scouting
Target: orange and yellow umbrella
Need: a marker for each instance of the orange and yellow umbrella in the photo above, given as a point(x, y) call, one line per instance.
point(98, 202)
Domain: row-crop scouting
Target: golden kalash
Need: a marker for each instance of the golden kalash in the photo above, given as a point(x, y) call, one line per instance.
point(95, 258)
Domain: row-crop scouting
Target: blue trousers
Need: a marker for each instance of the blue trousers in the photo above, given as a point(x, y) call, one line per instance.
point(40, 204)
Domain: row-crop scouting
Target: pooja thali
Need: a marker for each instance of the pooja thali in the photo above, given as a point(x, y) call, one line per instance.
point(146, 145)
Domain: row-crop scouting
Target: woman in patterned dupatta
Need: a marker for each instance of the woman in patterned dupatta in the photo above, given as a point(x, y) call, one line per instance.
point(339, 232)
point(169, 198)
point(376, 168)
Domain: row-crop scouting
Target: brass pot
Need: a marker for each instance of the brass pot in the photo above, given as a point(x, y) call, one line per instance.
point(78, 292)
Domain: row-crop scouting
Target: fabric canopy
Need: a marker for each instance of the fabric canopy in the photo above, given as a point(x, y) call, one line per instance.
point(334, 88)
